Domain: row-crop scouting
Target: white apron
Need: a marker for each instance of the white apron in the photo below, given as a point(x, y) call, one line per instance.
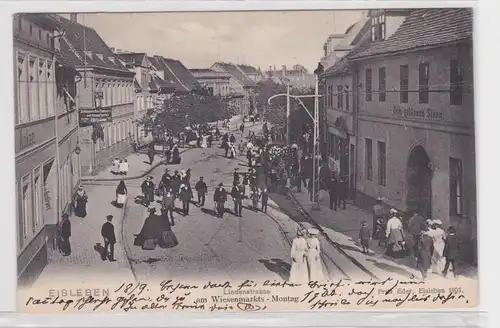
point(120, 199)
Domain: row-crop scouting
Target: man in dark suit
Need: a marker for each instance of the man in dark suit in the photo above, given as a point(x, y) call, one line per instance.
point(238, 195)
point(333, 190)
point(451, 251)
point(220, 197)
point(108, 233)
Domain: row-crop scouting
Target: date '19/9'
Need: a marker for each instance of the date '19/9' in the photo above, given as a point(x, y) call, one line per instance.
point(131, 288)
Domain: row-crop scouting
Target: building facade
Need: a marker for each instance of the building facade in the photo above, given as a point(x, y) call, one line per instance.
point(216, 83)
point(46, 138)
point(242, 87)
point(108, 86)
point(148, 84)
point(298, 77)
point(416, 115)
point(255, 74)
point(340, 121)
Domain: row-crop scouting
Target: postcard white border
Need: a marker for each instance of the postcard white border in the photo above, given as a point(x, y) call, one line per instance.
point(486, 38)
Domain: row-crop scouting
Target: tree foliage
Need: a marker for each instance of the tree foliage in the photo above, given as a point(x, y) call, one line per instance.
point(275, 113)
point(173, 114)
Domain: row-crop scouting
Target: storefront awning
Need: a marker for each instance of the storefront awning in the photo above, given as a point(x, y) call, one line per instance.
point(339, 132)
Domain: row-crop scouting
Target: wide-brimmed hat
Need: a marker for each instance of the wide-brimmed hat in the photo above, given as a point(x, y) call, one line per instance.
point(393, 211)
point(437, 221)
point(379, 199)
point(183, 186)
point(313, 231)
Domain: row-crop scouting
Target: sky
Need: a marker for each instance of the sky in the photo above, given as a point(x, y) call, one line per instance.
point(200, 39)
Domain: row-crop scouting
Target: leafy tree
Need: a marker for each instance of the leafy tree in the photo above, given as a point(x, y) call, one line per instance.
point(172, 115)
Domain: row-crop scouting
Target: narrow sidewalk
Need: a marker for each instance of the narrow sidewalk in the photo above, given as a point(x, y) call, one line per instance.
point(342, 226)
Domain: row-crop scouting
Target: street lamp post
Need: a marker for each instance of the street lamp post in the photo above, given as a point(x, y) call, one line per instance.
point(315, 119)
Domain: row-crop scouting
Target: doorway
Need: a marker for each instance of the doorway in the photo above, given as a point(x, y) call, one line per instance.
point(419, 182)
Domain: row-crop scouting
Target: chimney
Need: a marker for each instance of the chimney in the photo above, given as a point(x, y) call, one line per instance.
point(73, 17)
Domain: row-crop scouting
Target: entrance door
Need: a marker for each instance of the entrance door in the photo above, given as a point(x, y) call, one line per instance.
point(419, 182)
point(344, 157)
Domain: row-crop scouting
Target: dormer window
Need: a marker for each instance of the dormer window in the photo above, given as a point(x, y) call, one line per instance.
point(100, 56)
point(89, 54)
point(378, 28)
point(112, 59)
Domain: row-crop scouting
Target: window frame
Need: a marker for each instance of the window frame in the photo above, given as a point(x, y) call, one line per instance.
point(382, 163)
point(456, 82)
point(368, 84)
point(382, 84)
point(340, 97)
point(456, 200)
point(423, 83)
point(404, 82)
point(369, 159)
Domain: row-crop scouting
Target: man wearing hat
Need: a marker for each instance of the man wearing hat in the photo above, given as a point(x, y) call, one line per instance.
point(108, 233)
point(148, 188)
point(64, 234)
point(201, 189)
point(185, 197)
point(415, 228)
point(220, 197)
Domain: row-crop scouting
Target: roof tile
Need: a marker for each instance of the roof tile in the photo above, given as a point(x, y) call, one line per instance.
point(422, 27)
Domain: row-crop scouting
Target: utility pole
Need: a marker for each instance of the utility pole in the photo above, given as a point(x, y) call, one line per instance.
point(288, 114)
point(315, 192)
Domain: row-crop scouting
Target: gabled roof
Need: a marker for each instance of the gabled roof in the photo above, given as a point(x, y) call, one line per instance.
point(201, 70)
point(137, 86)
point(132, 57)
point(176, 74)
point(340, 67)
point(236, 73)
point(247, 69)
point(79, 39)
point(422, 28)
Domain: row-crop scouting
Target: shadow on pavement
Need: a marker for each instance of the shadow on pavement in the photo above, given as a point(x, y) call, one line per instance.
point(287, 207)
point(277, 266)
point(389, 268)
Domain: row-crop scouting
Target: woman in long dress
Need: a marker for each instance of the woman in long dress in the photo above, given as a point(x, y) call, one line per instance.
point(395, 235)
point(313, 256)
point(121, 193)
point(80, 202)
point(425, 250)
point(438, 240)
point(299, 272)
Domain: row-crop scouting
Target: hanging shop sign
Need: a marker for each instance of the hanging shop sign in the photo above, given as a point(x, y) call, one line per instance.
point(418, 113)
point(92, 116)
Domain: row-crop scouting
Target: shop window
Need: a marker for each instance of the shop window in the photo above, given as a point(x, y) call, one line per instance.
point(340, 98)
point(368, 159)
point(37, 201)
point(381, 163)
point(33, 88)
point(22, 89)
point(423, 83)
point(456, 175)
point(27, 206)
point(456, 82)
point(403, 83)
point(50, 80)
point(368, 83)
point(381, 84)
point(42, 88)
point(47, 196)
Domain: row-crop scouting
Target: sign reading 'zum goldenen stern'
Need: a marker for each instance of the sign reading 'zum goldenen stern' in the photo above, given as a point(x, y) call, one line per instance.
point(91, 116)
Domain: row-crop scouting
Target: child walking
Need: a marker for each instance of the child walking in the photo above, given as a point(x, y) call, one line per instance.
point(364, 237)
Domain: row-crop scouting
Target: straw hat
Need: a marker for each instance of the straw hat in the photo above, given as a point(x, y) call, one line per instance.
point(313, 231)
point(393, 211)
